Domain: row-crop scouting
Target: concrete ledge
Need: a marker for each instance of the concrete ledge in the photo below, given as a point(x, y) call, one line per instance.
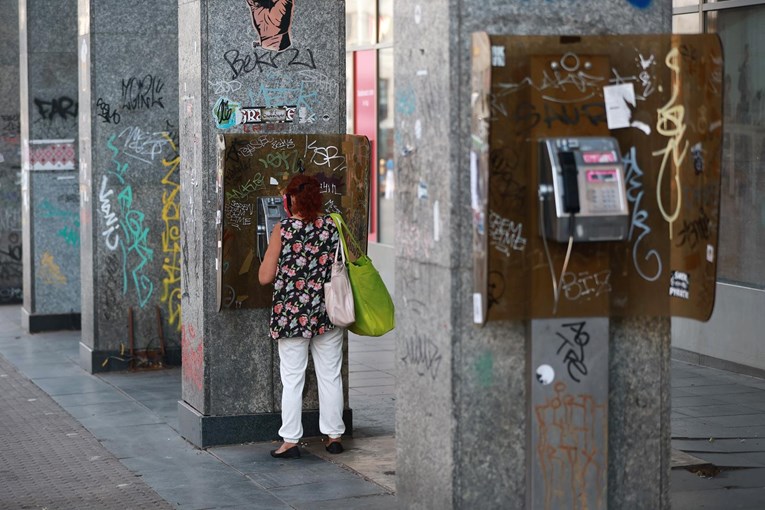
point(37, 323)
point(95, 361)
point(721, 364)
point(203, 431)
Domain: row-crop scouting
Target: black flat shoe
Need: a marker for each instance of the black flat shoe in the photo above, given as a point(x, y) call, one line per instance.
point(289, 453)
point(334, 447)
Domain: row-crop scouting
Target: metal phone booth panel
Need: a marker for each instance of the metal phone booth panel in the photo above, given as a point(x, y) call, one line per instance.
point(253, 170)
point(595, 192)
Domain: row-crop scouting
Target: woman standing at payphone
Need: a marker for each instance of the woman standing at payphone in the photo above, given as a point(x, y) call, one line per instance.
point(298, 262)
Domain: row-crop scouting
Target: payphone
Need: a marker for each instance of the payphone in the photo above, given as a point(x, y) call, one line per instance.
point(582, 189)
point(270, 212)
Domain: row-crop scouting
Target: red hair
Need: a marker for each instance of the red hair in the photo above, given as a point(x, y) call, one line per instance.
point(305, 196)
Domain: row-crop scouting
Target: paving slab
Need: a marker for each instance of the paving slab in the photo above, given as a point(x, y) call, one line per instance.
point(720, 389)
point(681, 459)
point(719, 499)
point(720, 410)
point(738, 421)
point(372, 457)
point(719, 445)
point(696, 401)
point(682, 480)
point(310, 493)
point(376, 502)
point(733, 459)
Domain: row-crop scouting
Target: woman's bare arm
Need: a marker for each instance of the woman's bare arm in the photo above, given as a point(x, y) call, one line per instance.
point(267, 271)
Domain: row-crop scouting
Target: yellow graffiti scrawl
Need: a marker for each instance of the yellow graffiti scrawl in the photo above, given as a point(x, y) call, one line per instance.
point(671, 123)
point(171, 283)
point(50, 272)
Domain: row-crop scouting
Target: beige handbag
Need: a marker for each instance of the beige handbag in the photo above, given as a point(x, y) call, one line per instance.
point(338, 296)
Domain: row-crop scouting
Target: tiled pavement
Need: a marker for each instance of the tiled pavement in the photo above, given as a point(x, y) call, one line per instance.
point(717, 417)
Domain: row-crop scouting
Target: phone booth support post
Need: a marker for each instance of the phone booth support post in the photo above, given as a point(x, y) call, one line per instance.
point(593, 157)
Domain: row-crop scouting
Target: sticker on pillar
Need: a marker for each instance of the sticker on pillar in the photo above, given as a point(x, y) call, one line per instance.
point(545, 374)
point(225, 113)
point(679, 285)
point(228, 114)
point(272, 20)
point(264, 115)
point(422, 190)
point(618, 99)
point(498, 56)
point(51, 155)
point(436, 222)
point(710, 253)
point(698, 158)
point(477, 308)
point(620, 102)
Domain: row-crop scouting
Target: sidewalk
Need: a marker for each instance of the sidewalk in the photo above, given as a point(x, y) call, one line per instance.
point(111, 441)
point(134, 418)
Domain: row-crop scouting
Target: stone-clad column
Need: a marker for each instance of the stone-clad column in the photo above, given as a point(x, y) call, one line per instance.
point(231, 54)
point(51, 199)
point(10, 157)
point(129, 180)
point(461, 396)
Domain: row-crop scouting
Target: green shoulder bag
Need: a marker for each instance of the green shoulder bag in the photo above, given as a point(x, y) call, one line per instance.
point(375, 313)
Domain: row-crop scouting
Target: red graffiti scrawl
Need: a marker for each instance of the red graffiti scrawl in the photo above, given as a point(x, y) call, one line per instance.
point(272, 20)
point(193, 356)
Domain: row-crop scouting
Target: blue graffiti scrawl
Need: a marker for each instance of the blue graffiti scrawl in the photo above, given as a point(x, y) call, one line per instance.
point(640, 4)
point(133, 241)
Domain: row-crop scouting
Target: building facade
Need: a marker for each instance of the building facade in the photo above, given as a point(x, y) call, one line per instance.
point(733, 336)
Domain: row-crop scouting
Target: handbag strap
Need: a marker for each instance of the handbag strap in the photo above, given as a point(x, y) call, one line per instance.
point(343, 230)
point(338, 251)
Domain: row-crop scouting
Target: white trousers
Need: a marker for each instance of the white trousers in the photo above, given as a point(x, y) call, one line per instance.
point(327, 353)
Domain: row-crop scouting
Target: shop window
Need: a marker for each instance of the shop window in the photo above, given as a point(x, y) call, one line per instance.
point(385, 21)
point(686, 23)
point(360, 23)
point(386, 172)
point(742, 206)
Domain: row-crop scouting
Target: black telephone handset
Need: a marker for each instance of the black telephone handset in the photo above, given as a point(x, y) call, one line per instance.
point(570, 182)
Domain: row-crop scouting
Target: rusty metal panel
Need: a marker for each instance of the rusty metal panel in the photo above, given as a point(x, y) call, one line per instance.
point(526, 87)
point(260, 166)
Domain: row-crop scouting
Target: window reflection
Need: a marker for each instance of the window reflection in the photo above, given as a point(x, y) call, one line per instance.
point(385, 167)
point(360, 22)
point(742, 207)
point(385, 21)
point(686, 24)
point(350, 87)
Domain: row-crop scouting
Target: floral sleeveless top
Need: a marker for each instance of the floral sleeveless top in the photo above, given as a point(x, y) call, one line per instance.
point(305, 263)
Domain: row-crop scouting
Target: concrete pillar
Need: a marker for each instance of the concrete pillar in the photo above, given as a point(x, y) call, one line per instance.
point(50, 191)
point(231, 386)
point(461, 396)
point(10, 157)
point(128, 79)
